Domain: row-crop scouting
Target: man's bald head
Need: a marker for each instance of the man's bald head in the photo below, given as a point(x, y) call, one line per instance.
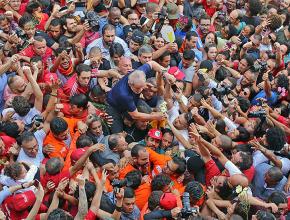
point(125, 65)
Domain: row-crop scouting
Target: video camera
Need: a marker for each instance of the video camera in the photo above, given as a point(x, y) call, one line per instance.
point(187, 210)
point(257, 114)
point(121, 183)
point(93, 20)
point(221, 91)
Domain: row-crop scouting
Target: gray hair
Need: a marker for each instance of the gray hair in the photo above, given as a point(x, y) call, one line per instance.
point(145, 49)
point(136, 77)
point(95, 50)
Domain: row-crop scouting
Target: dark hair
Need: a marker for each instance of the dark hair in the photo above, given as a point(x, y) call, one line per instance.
point(58, 125)
point(53, 166)
point(275, 174)
point(250, 59)
point(190, 34)
point(244, 148)
point(35, 59)
point(116, 49)
point(225, 190)
point(159, 182)
point(27, 136)
point(221, 74)
point(206, 64)
point(188, 55)
point(55, 22)
point(83, 141)
point(282, 81)
point(21, 105)
point(221, 126)
point(32, 5)
point(226, 142)
point(195, 191)
point(247, 161)
point(59, 214)
point(13, 170)
point(11, 129)
point(129, 193)
point(181, 165)
point(276, 138)
point(80, 100)
point(243, 136)
point(244, 103)
point(90, 189)
point(277, 198)
point(97, 91)
point(284, 110)
point(38, 38)
point(275, 23)
point(255, 7)
point(154, 199)
point(26, 18)
point(136, 149)
point(167, 130)
point(204, 16)
point(135, 177)
point(108, 27)
point(265, 215)
point(165, 54)
point(206, 48)
point(82, 68)
point(64, 18)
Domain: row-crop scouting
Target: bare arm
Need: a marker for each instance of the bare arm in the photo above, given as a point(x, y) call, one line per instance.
point(39, 196)
point(83, 204)
point(36, 90)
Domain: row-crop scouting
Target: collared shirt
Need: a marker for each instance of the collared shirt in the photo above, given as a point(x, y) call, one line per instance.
point(259, 187)
point(105, 51)
point(119, 28)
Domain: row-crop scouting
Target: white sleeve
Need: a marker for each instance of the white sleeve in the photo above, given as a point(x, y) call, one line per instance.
point(285, 165)
point(230, 124)
point(30, 174)
point(216, 103)
point(232, 168)
point(258, 158)
point(40, 135)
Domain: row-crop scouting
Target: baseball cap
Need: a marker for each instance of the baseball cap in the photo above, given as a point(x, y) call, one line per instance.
point(177, 73)
point(155, 133)
point(138, 36)
point(168, 201)
point(77, 153)
point(172, 10)
point(139, 2)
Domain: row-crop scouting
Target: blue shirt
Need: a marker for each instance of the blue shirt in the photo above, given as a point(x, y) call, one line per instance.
point(260, 188)
point(3, 83)
point(270, 100)
point(119, 27)
point(121, 97)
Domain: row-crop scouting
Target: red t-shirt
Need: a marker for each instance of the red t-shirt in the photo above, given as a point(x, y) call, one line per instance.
point(211, 170)
point(29, 52)
point(284, 121)
point(54, 178)
point(249, 173)
point(209, 9)
point(42, 22)
point(90, 215)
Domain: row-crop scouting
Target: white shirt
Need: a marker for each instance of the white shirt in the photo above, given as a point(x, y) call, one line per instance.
point(23, 157)
point(27, 119)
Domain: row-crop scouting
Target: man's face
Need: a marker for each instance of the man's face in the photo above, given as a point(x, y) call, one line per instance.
point(191, 44)
point(62, 136)
point(18, 85)
point(148, 93)
point(15, 4)
point(125, 66)
point(216, 141)
point(122, 144)
point(114, 17)
point(152, 142)
point(40, 47)
point(233, 17)
point(29, 29)
point(204, 25)
point(166, 140)
point(170, 168)
point(243, 65)
point(109, 37)
point(133, 19)
point(133, 46)
point(95, 59)
point(39, 67)
point(145, 57)
point(71, 25)
point(143, 158)
point(128, 205)
point(113, 173)
point(138, 86)
point(84, 78)
point(165, 62)
point(246, 79)
point(141, 8)
point(236, 158)
point(5, 25)
point(141, 125)
point(186, 63)
point(65, 62)
point(218, 181)
point(96, 128)
point(75, 110)
point(180, 122)
point(55, 31)
point(30, 148)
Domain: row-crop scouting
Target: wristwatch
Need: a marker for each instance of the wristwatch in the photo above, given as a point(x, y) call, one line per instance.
point(118, 209)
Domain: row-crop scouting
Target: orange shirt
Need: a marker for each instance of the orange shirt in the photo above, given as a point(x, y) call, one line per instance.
point(142, 194)
point(123, 172)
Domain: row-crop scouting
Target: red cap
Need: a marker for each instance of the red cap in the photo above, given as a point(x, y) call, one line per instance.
point(176, 73)
point(77, 153)
point(168, 201)
point(155, 133)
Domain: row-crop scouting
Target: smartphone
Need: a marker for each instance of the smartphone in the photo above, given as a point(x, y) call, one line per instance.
point(174, 88)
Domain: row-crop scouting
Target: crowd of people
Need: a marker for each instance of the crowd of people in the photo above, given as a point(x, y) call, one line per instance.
point(144, 109)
